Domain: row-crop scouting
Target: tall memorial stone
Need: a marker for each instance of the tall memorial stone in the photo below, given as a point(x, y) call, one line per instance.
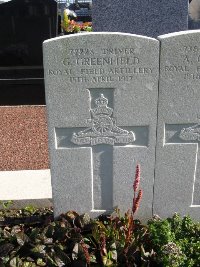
point(150, 18)
point(177, 180)
point(101, 94)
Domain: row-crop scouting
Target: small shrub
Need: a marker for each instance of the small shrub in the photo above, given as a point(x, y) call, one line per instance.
point(176, 241)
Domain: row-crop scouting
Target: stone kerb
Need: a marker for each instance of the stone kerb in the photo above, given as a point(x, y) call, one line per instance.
point(101, 95)
point(177, 175)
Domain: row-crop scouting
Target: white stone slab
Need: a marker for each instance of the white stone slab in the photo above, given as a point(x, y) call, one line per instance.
point(177, 180)
point(101, 95)
point(25, 184)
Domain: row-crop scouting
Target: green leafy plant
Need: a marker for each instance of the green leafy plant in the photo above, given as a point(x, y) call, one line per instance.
point(176, 241)
point(6, 203)
point(30, 209)
point(119, 240)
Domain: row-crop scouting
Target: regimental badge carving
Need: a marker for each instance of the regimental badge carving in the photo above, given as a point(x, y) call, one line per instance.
point(191, 133)
point(102, 127)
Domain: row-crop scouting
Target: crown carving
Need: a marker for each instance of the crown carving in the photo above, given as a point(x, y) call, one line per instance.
point(101, 101)
point(102, 107)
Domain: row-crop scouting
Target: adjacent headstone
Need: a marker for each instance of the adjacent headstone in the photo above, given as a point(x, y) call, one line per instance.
point(101, 94)
point(177, 180)
point(151, 18)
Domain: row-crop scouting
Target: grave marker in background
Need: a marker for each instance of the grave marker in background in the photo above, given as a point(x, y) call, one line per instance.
point(25, 24)
point(177, 180)
point(101, 93)
point(150, 18)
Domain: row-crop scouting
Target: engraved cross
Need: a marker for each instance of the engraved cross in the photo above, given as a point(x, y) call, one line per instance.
point(187, 134)
point(101, 135)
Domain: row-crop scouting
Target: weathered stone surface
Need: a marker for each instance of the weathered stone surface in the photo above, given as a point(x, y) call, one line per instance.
point(101, 94)
point(177, 181)
point(151, 18)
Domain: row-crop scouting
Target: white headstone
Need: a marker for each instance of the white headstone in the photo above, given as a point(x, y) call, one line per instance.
point(177, 180)
point(101, 95)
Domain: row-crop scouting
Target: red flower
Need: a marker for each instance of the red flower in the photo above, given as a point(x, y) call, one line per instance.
point(137, 178)
point(136, 202)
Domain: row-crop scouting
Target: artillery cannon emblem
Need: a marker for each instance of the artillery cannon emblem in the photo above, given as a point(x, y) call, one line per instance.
point(102, 127)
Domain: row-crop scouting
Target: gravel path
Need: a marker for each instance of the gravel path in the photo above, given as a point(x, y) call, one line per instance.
point(23, 138)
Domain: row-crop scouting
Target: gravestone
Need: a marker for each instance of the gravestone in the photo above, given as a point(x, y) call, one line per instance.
point(150, 18)
point(177, 176)
point(101, 94)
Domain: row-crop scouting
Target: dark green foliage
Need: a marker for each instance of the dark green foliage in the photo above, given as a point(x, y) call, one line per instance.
point(48, 245)
point(114, 240)
point(120, 241)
